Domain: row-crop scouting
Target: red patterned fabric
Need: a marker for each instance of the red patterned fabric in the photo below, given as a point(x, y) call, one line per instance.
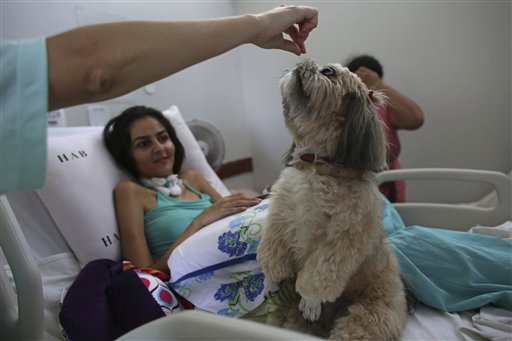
point(164, 298)
point(127, 265)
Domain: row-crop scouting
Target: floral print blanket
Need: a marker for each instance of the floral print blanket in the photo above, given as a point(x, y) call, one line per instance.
point(216, 268)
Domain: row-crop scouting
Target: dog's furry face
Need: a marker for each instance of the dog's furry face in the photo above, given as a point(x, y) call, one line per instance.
point(328, 110)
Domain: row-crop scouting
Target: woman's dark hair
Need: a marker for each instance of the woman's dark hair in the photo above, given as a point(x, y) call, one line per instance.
point(366, 61)
point(117, 139)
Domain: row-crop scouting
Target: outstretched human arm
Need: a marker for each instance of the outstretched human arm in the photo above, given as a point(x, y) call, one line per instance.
point(98, 62)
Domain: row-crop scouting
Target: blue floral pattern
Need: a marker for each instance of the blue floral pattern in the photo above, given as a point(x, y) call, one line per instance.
point(246, 289)
point(245, 235)
point(230, 243)
point(226, 312)
point(254, 286)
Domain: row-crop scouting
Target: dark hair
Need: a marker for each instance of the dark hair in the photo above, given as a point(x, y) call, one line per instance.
point(366, 61)
point(117, 139)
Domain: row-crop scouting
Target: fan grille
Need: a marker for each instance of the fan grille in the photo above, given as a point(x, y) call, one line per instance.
point(210, 141)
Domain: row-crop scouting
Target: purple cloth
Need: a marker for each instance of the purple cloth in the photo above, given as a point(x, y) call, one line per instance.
point(104, 302)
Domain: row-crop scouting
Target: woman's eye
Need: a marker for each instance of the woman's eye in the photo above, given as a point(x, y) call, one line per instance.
point(163, 138)
point(327, 71)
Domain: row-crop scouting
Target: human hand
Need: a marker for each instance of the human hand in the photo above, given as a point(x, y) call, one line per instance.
point(225, 206)
point(369, 77)
point(296, 21)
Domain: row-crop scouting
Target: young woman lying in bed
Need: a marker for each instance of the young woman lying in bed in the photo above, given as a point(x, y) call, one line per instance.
point(447, 270)
point(162, 206)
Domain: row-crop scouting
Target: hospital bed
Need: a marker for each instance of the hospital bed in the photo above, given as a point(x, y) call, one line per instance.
point(48, 235)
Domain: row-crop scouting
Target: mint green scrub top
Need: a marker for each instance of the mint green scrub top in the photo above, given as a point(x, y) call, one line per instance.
point(165, 223)
point(23, 114)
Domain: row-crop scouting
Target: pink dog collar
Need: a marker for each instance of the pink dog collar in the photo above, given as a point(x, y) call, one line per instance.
point(313, 158)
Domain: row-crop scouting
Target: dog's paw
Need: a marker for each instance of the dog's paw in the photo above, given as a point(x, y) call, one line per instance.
point(310, 309)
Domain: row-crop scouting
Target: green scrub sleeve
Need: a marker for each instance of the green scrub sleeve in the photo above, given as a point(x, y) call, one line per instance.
point(23, 114)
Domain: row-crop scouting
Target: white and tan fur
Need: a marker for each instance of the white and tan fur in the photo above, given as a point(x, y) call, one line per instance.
point(324, 222)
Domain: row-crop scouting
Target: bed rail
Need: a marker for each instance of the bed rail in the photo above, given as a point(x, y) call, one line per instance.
point(453, 216)
point(21, 316)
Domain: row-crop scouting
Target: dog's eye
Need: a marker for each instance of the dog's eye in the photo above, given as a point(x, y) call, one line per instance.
point(327, 71)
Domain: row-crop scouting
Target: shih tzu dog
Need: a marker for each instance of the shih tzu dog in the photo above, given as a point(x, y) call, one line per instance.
point(324, 225)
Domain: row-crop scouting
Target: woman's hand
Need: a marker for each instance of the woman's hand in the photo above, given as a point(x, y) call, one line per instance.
point(223, 207)
point(295, 21)
point(369, 77)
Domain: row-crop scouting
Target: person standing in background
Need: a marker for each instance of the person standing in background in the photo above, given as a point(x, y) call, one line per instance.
point(400, 112)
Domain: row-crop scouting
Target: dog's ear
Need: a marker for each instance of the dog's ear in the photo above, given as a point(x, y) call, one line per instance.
point(362, 143)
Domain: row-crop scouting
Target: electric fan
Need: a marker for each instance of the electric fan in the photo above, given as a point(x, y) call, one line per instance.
point(210, 141)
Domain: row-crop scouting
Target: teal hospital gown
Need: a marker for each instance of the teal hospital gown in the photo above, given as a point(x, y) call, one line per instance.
point(451, 270)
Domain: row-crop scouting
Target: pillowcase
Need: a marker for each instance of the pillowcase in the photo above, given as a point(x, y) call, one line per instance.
point(78, 194)
point(216, 268)
point(81, 177)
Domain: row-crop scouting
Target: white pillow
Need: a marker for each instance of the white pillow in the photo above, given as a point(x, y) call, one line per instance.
point(78, 191)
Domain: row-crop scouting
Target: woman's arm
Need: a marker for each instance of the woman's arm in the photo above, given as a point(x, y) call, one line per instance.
point(128, 197)
point(403, 112)
point(98, 62)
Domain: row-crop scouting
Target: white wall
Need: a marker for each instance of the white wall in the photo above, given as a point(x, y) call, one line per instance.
point(453, 58)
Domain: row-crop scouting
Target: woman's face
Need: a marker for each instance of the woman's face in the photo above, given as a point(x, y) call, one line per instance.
point(151, 148)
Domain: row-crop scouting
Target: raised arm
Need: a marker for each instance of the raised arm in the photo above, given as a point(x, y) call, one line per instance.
point(403, 112)
point(98, 62)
